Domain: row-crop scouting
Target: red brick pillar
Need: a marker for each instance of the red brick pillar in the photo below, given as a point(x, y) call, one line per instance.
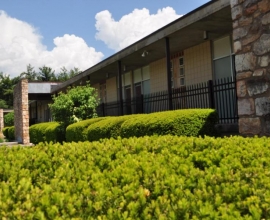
point(21, 116)
point(1, 123)
point(251, 36)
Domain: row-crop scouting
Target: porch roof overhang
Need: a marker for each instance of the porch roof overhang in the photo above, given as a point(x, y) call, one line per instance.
point(187, 31)
point(41, 90)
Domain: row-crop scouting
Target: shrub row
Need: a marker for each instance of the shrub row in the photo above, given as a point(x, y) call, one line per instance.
point(191, 122)
point(157, 177)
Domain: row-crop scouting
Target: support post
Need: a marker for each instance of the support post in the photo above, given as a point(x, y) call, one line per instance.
point(21, 112)
point(211, 94)
point(251, 37)
point(120, 87)
point(168, 68)
point(1, 123)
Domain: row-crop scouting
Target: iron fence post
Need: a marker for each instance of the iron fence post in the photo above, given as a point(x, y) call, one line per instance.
point(211, 94)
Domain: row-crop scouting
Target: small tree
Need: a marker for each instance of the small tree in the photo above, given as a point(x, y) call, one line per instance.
point(78, 103)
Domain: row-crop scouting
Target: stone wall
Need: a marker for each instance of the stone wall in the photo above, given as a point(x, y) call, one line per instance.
point(251, 35)
point(21, 115)
point(1, 122)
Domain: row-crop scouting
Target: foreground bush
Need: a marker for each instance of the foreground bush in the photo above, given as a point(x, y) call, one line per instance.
point(46, 131)
point(154, 177)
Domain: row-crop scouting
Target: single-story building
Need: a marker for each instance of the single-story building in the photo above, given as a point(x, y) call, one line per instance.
point(216, 56)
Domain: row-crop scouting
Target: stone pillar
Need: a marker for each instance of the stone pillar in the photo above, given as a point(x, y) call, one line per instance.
point(251, 36)
point(1, 123)
point(21, 115)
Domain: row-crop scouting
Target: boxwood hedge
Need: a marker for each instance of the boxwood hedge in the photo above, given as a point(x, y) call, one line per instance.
point(47, 131)
point(189, 122)
point(107, 128)
point(5, 132)
point(9, 133)
point(78, 131)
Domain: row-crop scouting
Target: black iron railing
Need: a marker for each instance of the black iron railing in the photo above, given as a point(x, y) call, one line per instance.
point(219, 95)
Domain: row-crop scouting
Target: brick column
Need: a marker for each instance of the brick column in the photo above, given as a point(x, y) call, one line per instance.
point(1, 122)
point(251, 36)
point(21, 116)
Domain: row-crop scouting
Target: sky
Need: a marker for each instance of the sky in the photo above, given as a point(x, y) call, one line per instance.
point(77, 33)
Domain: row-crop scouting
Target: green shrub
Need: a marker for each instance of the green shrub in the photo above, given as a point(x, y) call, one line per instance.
point(78, 131)
point(11, 133)
point(55, 133)
point(157, 177)
point(5, 132)
point(189, 122)
point(38, 132)
point(107, 128)
point(9, 119)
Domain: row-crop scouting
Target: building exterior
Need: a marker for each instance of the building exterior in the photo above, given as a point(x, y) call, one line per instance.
point(204, 59)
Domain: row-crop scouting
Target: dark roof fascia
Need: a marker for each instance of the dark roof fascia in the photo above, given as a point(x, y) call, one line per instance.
point(122, 53)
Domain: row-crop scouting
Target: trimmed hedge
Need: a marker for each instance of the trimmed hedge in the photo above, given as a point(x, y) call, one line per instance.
point(188, 122)
point(78, 131)
point(5, 132)
point(11, 133)
point(47, 131)
point(55, 133)
point(107, 128)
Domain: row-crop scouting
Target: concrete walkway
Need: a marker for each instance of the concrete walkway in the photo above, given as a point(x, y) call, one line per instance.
point(15, 144)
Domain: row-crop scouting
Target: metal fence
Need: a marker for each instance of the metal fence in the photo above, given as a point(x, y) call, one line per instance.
point(219, 95)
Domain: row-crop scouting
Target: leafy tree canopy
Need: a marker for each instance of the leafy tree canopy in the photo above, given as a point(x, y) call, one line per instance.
point(78, 103)
point(3, 104)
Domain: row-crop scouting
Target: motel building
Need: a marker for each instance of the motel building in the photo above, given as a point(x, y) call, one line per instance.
point(217, 56)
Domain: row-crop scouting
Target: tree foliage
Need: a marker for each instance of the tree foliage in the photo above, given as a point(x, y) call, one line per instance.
point(30, 73)
point(6, 89)
point(78, 103)
point(46, 74)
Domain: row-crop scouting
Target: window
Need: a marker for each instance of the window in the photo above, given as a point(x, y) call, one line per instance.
point(182, 71)
point(222, 52)
point(141, 78)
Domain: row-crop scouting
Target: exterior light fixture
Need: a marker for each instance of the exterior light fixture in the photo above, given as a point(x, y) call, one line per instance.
point(205, 35)
point(145, 53)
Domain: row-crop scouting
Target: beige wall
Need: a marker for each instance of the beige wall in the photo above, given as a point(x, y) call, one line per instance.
point(198, 63)
point(96, 86)
point(158, 76)
point(198, 68)
point(111, 89)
